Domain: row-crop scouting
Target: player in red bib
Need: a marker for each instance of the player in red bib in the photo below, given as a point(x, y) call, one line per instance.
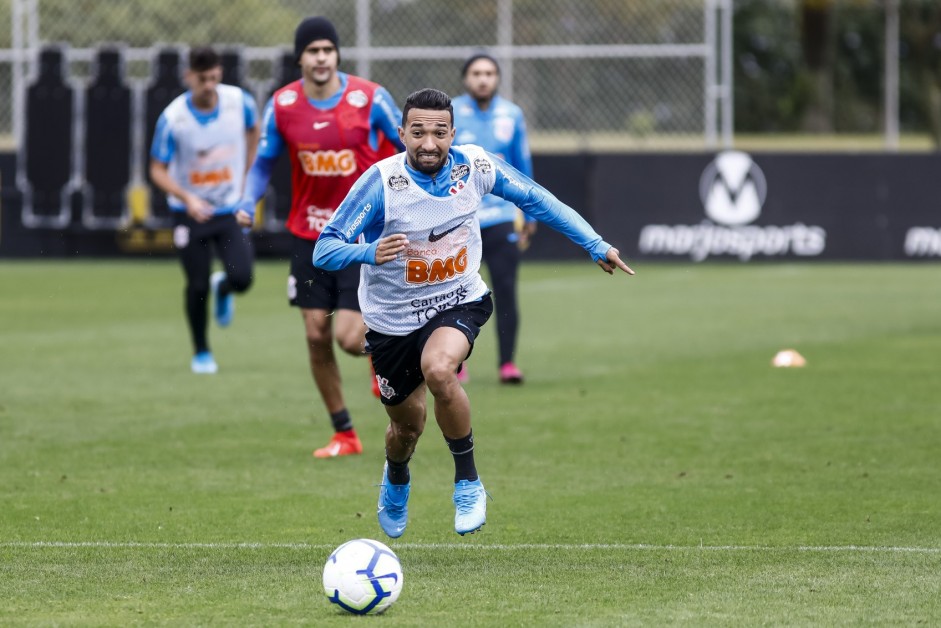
point(333, 126)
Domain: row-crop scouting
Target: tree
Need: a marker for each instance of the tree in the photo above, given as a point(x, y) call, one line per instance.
point(920, 26)
point(816, 23)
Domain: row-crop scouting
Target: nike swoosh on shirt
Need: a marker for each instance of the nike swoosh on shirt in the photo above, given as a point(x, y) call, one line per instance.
point(434, 237)
point(320, 125)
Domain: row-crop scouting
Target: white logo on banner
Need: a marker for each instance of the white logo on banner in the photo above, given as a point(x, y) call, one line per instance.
point(733, 191)
point(923, 242)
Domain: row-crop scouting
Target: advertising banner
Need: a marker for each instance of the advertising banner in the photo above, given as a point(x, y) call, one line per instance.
point(749, 207)
point(694, 207)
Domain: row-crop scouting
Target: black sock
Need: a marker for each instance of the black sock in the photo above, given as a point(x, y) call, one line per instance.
point(341, 420)
point(196, 316)
point(224, 288)
point(398, 471)
point(463, 451)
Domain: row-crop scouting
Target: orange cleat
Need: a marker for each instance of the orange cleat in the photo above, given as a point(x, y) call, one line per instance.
point(342, 444)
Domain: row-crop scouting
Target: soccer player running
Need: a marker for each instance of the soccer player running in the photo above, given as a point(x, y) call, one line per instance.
point(333, 126)
point(423, 298)
point(203, 144)
point(484, 118)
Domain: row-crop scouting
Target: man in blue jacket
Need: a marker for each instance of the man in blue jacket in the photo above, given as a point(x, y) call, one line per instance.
point(484, 118)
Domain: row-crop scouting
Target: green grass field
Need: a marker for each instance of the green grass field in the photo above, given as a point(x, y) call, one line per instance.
point(654, 469)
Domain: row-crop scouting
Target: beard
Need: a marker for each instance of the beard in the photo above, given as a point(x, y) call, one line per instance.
point(426, 167)
point(483, 96)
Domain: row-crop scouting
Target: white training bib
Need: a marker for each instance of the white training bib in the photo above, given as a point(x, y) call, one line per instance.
point(440, 268)
point(210, 157)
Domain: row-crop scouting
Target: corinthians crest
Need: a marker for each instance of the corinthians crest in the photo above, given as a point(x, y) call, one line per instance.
point(459, 171)
point(398, 182)
point(483, 165)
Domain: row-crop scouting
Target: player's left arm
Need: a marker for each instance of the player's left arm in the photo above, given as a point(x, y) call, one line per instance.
point(542, 205)
point(384, 115)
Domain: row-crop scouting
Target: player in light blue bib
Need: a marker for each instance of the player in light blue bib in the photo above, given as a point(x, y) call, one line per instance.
point(204, 142)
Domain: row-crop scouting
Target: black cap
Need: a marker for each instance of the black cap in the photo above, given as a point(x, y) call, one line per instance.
point(312, 29)
point(476, 57)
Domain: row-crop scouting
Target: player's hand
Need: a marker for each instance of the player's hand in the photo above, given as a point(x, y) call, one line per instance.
point(245, 214)
point(525, 234)
point(612, 261)
point(390, 247)
point(244, 219)
point(198, 209)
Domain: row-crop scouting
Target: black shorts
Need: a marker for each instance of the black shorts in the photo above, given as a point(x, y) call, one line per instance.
point(313, 288)
point(397, 359)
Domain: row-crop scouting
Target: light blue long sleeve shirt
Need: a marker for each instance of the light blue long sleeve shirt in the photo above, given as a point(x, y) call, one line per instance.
point(337, 246)
point(501, 130)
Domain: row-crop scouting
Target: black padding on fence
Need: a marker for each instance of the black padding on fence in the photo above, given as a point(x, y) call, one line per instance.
point(287, 70)
point(48, 138)
point(278, 204)
point(108, 135)
point(165, 87)
point(233, 69)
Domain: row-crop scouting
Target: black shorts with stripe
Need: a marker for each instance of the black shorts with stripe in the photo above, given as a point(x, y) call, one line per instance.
point(397, 359)
point(313, 288)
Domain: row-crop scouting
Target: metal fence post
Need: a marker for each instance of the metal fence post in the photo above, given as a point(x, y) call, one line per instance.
point(504, 42)
point(363, 39)
point(892, 75)
point(710, 80)
point(728, 113)
point(19, 58)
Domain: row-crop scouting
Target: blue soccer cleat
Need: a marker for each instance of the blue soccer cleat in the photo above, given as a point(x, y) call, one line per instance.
point(470, 506)
point(393, 505)
point(223, 308)
point(204, 363)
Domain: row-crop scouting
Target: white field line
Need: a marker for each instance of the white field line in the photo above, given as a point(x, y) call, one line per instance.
point(499, 547)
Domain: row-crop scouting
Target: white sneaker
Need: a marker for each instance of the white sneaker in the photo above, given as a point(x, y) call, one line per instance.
point(204, 363)
point(470, 506)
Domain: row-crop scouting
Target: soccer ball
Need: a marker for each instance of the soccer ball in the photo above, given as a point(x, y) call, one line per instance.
point(363, 577)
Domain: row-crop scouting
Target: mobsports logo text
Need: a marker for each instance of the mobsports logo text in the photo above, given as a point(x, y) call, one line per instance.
point(733, 190)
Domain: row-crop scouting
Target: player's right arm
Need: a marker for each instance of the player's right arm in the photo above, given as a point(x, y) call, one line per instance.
point(362, 213)
point(161, 154)
point(270, 147)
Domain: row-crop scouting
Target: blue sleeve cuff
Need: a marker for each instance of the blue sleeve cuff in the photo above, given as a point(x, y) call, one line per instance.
point(247, 206)
point(599, 252)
